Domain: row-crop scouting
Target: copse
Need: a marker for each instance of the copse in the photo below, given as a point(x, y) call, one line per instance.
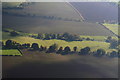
point(35, 46)
point(9, 44)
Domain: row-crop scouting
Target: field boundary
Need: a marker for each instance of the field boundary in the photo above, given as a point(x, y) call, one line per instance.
point(20, 51)
point(109, 30)
point(14, 55)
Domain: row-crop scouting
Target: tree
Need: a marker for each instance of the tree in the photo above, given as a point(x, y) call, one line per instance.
point(35, 46)
point(65, 35)
point(59, 36)
point(60, 50)
point(113, 43)
point(45, 48)
point(109, 38)
point(100, 52)
point(113, 54)
point(40, 36)
point(85, 51)
point(41, 48)
point(66, 50)
point(88, 39)
point(27, 45)
point(15, 45)
point(9, 44)
point(53, 36)
point(52, 48)
point(47, 37)
point(75, 49)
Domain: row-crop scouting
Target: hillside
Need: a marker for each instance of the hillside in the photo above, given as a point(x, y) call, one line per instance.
point(50, 17)
point(97, 11)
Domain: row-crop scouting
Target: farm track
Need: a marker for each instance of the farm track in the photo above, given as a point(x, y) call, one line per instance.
point(76, 10)
point(84, 19)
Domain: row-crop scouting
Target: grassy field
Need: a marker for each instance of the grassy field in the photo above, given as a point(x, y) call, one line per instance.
point(113, 27)
point(98, 43)
point(80, 44)
point(13, 52)
point(98, 38)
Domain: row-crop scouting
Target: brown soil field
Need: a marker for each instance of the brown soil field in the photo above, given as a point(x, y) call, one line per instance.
point(34, 64)
point(36, 24)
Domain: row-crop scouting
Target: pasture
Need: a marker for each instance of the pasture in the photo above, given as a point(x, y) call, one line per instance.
point(80, 44)
point(113, 27)
point(11, 52)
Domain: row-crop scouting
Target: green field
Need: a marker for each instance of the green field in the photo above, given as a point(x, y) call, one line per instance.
point(13, 52)
point(98, 38)
point(113, 27)
point(80, 44)
point(94, 45)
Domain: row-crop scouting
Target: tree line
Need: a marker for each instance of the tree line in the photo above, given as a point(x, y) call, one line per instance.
point(9, 44)
point(64, 36)
point(114, 44)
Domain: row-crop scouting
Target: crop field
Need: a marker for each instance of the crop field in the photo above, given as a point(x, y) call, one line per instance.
point(11, 52)
point(42, 65)
point(97, 11)
point(37, 25)
point(48, 9)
